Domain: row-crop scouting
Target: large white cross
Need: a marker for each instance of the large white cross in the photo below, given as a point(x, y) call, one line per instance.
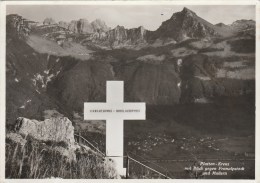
point(115, 111)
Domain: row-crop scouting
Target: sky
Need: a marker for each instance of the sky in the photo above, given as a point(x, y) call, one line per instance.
point(149, 16)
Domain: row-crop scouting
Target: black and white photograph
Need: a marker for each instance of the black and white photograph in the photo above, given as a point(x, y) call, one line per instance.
point(130, 91)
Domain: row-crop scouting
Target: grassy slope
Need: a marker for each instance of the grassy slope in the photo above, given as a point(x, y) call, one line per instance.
point(36, 160)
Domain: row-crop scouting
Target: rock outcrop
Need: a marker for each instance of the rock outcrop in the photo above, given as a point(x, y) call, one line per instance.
point(83, 26)
point(63, 24)
point(48, 21)
point(56, 134)
point(17, 25)
point(99, 26)
point(241, 25)
point(121, 37)
point(53, 129)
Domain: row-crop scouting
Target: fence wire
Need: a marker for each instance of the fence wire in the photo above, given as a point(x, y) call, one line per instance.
point(139, 170)
point(137, 166)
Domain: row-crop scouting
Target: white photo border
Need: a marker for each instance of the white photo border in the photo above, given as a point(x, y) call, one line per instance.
point(3, 5)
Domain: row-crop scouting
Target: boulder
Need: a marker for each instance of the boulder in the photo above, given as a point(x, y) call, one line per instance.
point(54, 129)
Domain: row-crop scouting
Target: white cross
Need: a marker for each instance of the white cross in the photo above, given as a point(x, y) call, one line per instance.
point(115, 111)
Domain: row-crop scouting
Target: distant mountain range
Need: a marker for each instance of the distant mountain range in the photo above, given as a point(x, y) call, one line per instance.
point(181, 26)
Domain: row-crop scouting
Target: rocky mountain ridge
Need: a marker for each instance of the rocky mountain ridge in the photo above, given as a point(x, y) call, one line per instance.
point(181, 26)
point(83, 26)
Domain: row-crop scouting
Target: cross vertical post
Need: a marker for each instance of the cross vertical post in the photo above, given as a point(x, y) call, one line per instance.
point(115, 111)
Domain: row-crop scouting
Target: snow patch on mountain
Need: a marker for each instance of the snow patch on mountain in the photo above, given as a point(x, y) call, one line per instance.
point(152, 59)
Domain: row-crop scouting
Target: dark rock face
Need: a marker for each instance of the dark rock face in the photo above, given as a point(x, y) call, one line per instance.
point(24, 73)
point(150, 83)
point(87, 82)
point(199, 80)
point(137, 35)
point(17, 25)
point(79, 82)
point(13, 23)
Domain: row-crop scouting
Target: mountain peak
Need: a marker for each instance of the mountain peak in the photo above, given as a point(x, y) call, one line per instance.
point(184, 13)
point(187, 24)
point(187, 11)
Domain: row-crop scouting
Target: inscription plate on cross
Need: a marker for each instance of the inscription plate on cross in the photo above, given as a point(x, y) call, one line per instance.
point(115, 111)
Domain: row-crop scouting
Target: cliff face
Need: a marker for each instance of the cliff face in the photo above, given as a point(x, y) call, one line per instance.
point(79, 81)
point(150, 82)
point(83, 26)
point(202, 78)
point(99, 26)
point(18, 26)
point(120, 36)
